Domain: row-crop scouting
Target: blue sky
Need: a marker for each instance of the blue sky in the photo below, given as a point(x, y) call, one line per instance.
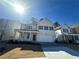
point(62, 11)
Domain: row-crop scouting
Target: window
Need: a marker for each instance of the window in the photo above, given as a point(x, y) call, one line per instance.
point(50, 28)
point(45, 27)
point(30, 27)
point(41, 27)
point(65, 30)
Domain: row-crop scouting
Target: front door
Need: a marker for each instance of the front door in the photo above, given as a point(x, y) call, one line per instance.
point(34, 37)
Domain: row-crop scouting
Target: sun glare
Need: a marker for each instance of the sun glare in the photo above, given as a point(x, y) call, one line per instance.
point(19, 8)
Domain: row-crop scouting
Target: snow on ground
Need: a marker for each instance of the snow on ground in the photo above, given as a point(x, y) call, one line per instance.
point(60, 53)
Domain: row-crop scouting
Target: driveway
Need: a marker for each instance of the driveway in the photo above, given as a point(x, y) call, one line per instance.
point(54, 51)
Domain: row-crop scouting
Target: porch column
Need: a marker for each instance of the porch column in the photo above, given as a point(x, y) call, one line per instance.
point(78, 37)
point(74, 38)
point(14, 34)
point(67, 38)
point(70, 37)
point(30, 36)
point(64, 37)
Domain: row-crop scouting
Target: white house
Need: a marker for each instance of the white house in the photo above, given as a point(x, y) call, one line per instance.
point(7, 28)
point(41, 31)
point(66, 33)
point(76, 28)
point(62, 31)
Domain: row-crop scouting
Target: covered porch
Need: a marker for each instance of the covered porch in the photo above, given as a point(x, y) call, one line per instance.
point(25, 35)
point(70, 38)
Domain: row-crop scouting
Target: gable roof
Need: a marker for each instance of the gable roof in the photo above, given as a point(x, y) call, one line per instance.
point(67, 25)
point(76, 25)
point(42, 19)
point(57, 28)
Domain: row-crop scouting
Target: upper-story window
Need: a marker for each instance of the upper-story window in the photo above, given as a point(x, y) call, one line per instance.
point(50, 28)
point(30, 27)
point(41, 27)
point(45, 27)
point(65, 30)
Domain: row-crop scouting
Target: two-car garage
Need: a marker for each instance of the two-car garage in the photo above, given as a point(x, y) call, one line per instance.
point(45, 38)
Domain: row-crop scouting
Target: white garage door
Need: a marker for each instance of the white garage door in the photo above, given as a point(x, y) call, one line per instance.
point(45, 38)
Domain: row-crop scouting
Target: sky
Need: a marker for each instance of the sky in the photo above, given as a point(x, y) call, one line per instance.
point(62, 11)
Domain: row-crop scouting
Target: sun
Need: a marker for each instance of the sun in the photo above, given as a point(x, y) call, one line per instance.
point(19, 8)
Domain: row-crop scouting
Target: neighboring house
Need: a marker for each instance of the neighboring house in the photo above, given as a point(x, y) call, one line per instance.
point(41, 31)
point(7, 28)
point(62, 31)
point(75, 29)
point(67, 34)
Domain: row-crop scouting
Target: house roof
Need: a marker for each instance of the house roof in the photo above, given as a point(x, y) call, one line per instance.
point(57, 28)
point(67, 25)
point(76, 25)
point(42, 19)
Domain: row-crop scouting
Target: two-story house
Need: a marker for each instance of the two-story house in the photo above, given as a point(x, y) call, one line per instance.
point(75, 29)
point(7, 28)
point(67, 34)
point(41, 31)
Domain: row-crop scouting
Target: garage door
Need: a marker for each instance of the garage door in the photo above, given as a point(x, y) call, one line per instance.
point(45, 38)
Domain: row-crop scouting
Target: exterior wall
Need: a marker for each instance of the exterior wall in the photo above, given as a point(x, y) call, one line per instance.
point(8, 27)
point(73, 30)
point(43, 34)
point(61, 32)
point(42, 37)
point(44, 23)
point(23, 37)
point(27, 26)
point(58, 33)
point(77, 30)
point(65, 27)
point(71, 36)
point(17, 36)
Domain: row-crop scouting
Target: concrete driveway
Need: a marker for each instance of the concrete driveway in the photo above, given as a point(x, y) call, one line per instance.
point(59, 52)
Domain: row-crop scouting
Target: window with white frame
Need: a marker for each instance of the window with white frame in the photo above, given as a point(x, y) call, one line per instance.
point(30, 27)
point(45, 27)
point(65, 30)
point(50, 28)
point(41, 27)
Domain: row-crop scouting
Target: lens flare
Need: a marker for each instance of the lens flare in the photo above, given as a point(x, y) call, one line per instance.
point(19, 8)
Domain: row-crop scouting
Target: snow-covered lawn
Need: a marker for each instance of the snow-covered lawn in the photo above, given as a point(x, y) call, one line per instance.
point(60, 53)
